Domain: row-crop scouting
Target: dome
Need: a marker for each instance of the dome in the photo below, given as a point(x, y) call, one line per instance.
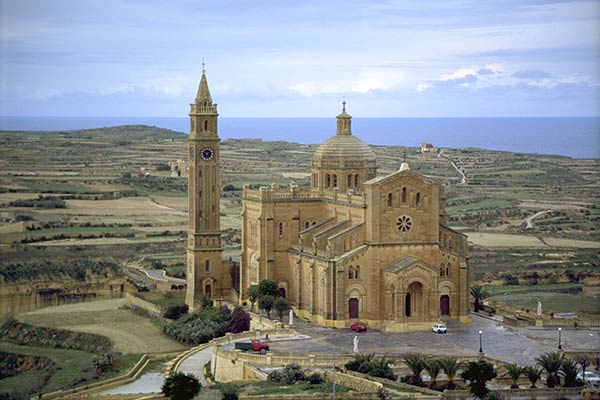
point(340, 149)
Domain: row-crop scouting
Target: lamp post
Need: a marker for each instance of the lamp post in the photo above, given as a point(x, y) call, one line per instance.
point(560, 338)
point(480, 343)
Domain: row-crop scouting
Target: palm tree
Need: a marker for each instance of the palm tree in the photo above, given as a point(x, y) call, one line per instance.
point(478, 295)
point(515, 372)
point(433, 368)
point(450, 367)
point(569, 370)
point(533, 374)
point(416, 363)
point(551, 363)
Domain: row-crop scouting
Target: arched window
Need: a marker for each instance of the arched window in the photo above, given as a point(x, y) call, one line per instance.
point(442, 270)
point(207, 265)
point(349, 181)
point(205, 125)
point(389, 201)
point(314, 222)
point(450, 243)
point(204, 104)
point(327, 180)
point(418, 200)
point(356, 180)
point(448, 269)
point(334, 180)
point(357, 272)
point(404, 195)
point(306, 224)
point(281, 232)
point(351, 272)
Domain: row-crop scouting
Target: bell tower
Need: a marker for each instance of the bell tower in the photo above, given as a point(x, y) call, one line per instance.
point(205, 273)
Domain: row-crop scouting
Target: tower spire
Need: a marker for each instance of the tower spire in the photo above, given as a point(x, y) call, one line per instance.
point(203, 94)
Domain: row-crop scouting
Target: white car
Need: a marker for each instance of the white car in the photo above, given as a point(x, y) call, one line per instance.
point(590, 377)
point(439, 328)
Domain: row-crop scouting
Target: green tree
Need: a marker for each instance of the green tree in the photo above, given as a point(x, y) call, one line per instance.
point(533, 374)
point(281, 305)
point(433, 368)
point(514, 371)
point(450, 367)
point(267, 287)
point(550, 362)
point(478, 295)
point(569, 370)
point(180, 386)
point(253, 294)
point(265, 303)
point(477, 374)
point(416, 363)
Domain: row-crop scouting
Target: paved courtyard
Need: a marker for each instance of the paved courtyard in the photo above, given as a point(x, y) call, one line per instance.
point(520, 345)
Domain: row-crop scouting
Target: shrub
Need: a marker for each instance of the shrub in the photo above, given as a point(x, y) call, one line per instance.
point(229, 391)
point(315, 379)
point(281, 305)
point(371, 365)
point(240, 321)
point(176, 311)
point(180, 386)
point(533, 374)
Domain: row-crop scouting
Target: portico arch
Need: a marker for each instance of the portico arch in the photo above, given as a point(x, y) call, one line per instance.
point(355, 295)
point(413, 303)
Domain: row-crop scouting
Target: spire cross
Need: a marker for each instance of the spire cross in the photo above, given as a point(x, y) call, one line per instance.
point(203, 70)
point(344, 105)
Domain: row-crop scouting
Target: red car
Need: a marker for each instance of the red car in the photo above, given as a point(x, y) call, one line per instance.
point(359, 327)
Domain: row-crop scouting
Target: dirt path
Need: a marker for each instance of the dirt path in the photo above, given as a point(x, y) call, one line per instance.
point(463, 178)
point(529, 220)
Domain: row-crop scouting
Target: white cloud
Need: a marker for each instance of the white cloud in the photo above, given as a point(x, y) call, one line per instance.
point(371, 79)
point(310, 89)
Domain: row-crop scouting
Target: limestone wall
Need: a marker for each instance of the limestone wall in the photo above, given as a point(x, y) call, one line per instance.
point(24, 296)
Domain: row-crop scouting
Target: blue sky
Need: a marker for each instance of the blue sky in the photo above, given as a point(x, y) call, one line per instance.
point(431, 58)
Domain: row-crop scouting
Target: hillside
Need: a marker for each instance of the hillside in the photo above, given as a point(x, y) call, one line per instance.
point(108, 194)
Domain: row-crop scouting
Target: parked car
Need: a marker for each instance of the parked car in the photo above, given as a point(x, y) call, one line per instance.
point(359, 327)
point(439, 328)
point(253, 345)
point(590, 377)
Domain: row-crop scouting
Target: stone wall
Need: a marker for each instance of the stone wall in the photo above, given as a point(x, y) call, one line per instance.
point(150, 308)
point(539, 393)
point(24, 296)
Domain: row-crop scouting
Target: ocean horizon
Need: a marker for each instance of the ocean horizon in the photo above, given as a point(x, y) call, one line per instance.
point(577, 137)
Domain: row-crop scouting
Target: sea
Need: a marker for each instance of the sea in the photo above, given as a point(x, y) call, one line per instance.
point(577, 137)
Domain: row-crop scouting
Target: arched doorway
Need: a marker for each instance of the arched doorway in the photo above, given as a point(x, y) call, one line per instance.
point(445, 305)
point(414, 300)
point(282, 292)
point(208, 289)
point(353, 308)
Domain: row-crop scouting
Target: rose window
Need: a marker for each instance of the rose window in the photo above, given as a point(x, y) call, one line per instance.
point(404, 223)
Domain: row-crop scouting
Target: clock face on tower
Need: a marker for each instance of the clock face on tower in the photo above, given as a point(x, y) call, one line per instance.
point(207, 153)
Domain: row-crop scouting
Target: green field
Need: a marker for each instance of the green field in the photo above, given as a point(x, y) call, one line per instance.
point(71, 366)
point(551, 301)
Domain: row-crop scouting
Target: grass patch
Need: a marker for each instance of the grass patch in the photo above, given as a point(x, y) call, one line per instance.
point(166, 300)
point(495, 290)
point(561, 302)
point(72, 364)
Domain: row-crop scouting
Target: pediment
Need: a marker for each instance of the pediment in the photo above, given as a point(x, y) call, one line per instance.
point(400, 178)
point(410, 267)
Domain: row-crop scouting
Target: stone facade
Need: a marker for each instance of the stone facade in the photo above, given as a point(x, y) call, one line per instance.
point(355, 246)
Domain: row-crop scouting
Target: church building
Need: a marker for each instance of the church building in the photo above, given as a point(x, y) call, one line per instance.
point(354, 246)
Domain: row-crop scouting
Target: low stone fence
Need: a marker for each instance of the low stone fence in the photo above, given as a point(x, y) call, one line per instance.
point(315, 396)
point(542, 393)
point(353, 382)
point(147, 306)
point(395, 384)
